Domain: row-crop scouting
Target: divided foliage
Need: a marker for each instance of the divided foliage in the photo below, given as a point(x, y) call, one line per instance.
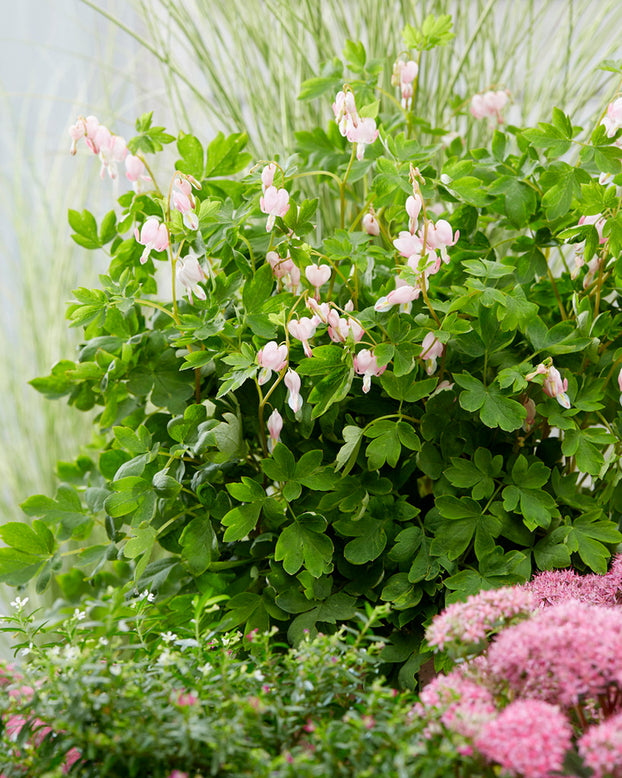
point(425, 489)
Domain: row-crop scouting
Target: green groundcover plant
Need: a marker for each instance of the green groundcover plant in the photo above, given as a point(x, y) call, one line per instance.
point(534, 694)
point(296, 417)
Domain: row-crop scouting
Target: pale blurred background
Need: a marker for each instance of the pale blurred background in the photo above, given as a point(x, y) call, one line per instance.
point(204, 65)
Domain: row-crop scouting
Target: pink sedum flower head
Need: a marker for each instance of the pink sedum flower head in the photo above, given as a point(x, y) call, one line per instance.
point(529, 739)
point(552, 385)
point(370, 224)
point(601, 748)
point(275, 202)
point(317, 276)
point(153, 236)
point(71, 757)
point(365, 364)
point(303, 329)
point(431, 350)
point(292, 382)
point(563, 654)
point(189, 273)
point(457, 703)
point(363, 134)
point(471, 622)
point(271, 357)
point(275, 426)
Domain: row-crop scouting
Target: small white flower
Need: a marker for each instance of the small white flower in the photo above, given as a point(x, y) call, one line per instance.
point(207, 667)
point(123, 626)
point(169, 637)
point(79, 615)
point(102, 642)
point(71, 652)
point(165, 658)
point(258, 675)
point(18, 603)
point(26, 651)
point(116, 669)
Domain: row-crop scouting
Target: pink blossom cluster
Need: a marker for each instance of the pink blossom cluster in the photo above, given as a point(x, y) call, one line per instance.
point(457, 703)
point(111, 149)
point(404, 75)
point(529, 738)
point(361, 131)
point(563, 654)
point(490, 104)
point(471, 622)
point(601, 747)
point(553, 587)
point(553, 385)
point(274, 202)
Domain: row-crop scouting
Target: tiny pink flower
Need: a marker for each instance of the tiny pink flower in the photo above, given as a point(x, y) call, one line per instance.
point(370, 224)
point(271, 357)
point(317, 276)
point(275, 202)
point(112, 150)
point(186, 699)
point(292, 382)
point(153, 236)
point(275, 425)
point(189, 273)
point(365, 364)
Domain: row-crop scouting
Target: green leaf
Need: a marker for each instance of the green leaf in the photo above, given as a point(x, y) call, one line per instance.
point(304, 543)
point(191, 151)
point(400, 592)
point(141, 543)
point(17, 568)
point(347, 454)
point(494, 408)
point(355, 55)
point(258, 289)
point(385, 446)
point(588, 456)
point(240, 521)
point(23, 538)
point(224, 155)
point(199, 545)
